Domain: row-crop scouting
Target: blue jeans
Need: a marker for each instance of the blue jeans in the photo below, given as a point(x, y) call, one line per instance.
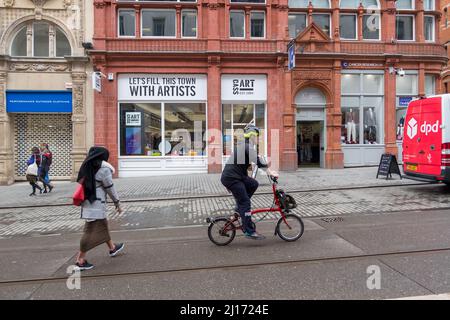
point(242, 191)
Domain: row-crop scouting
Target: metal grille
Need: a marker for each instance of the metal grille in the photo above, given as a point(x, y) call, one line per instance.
point(32, 129)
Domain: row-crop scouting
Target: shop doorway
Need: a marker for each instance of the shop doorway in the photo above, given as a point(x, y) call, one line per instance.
point(310, 144)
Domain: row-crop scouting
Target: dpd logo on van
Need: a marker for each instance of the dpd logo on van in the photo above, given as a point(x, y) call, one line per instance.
point(411, 129)
point(428, 127)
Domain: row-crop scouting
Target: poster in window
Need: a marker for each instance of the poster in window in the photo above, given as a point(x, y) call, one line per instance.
point(133, 140)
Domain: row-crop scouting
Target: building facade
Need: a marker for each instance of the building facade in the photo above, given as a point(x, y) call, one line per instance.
point(445, 40)
point(182, 78)
point(44, 85)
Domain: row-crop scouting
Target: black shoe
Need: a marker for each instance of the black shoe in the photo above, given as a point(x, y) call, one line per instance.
point(118, 247)
point(32, 194)
point(50, 189)
point(45, 191)
point(85, 266)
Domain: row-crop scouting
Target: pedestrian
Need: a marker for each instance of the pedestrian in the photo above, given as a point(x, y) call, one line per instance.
point(32, 177)
point(96, 176)
point(46, 162)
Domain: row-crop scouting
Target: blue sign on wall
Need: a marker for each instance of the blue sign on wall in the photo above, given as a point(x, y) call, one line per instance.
point(38, 101)
point(404, 101)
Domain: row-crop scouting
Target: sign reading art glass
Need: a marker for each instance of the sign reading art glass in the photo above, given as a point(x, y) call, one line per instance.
point(157, 87)
point(244, 88)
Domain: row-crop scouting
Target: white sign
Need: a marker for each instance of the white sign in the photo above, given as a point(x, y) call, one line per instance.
point(132, 119)
point(244, 87)
point(160, 87)
point(97, 81)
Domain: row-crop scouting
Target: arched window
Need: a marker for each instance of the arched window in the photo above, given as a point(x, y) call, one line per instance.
point(305, 3)
point(353, 4)
point(40, 39)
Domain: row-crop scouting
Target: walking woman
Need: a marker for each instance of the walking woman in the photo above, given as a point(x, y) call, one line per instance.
point(96, 176)
point(45, 167)
point(31, 178)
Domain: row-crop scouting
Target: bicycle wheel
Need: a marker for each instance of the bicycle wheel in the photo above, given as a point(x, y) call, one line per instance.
point(218, 235)
point(292, 229)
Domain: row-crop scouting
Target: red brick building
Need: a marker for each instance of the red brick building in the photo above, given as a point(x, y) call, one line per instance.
point(180, 70)
point(445, 40)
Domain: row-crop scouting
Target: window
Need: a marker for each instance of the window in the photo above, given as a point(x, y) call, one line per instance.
point(428, 5)
point(430, 85)
point(323, 21)
point(347, 26)
point(19, 44)
point(305, 3)
point(405, 4)
point(362, 107)
point(41, 42)
point(158, 23)
point(257, 24)
point(183, 126)
point(353, 4)
point(189, 23)
point(237, 24)
point(297, 23)
point(428, 28)
point(248, 1)
point(405, 27)
point(234, 119)
point(156, 0)
point(407, 89)
point(47, 40)
point(371, 27)
point(127, 23)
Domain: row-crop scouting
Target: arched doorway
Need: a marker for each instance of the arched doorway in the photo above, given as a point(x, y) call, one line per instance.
point(310, 116)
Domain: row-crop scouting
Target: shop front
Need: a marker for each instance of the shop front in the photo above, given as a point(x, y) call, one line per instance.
point(162, 124)
point(41, 117)
point(244, 101)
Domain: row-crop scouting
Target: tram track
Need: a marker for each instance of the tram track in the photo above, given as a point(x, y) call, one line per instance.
point(222, 195)
point(49, 280)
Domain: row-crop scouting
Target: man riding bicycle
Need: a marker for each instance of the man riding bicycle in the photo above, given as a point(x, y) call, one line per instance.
point(235, 177)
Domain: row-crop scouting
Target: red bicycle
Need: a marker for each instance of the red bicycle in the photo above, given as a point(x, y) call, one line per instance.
point(222, 230)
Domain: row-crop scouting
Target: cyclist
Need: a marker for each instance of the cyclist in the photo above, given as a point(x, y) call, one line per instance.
point(235, 177)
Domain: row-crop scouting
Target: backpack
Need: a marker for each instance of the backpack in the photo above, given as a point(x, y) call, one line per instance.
point(78, 196)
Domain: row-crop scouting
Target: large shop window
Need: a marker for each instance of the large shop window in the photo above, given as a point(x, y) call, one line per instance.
point(234, 119)
point(407, 89)
point(127, 23)
point(155, 129)
point(158, 23)
point(305, 3)
point(362, 108)
point(405, 27)
point(297, 23)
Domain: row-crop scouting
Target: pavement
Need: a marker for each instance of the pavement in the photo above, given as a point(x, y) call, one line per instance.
point(202, 185)
point(387, 256)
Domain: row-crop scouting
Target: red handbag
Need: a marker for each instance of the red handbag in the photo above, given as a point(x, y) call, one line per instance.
point(78, 195)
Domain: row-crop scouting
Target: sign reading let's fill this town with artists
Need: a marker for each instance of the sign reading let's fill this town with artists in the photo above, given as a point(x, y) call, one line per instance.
point(159, 87)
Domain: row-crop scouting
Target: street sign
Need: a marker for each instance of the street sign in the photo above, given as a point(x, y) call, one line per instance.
point(291, 55)
point(97, 81)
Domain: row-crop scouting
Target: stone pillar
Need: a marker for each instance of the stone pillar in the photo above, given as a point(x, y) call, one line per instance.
point(334, 157)
point(390, 116)
point(214, 135)
point(79, 147)
point(6, 139)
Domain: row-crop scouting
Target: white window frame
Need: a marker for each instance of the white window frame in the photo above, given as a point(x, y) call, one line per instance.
point(413, 26)
point(329, 6)
point(158, 37)
point(250, 31)
point(379, 29)
point(433, 77)
point(118, 23)
point(229, 30)
point(196, 23)
point(299, 14)
point(434, 28)
point(329, 19)
point(32, 40)
point(433, 7)
point(356, 26)
point(340, 6)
